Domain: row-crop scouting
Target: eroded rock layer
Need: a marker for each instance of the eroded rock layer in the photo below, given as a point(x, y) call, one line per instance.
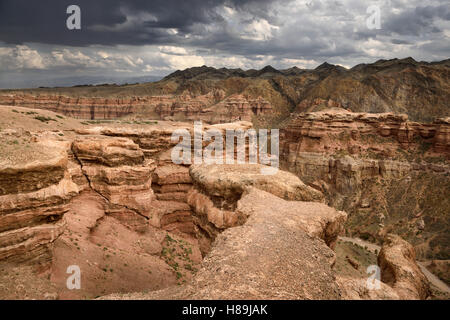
point(217, 189)
point(33, 200)
point(117, 170)
point(389, 174)
point(213, 107)
point(275, 254)
point(110, 200)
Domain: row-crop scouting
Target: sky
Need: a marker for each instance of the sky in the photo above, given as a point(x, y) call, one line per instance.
point(147, 39)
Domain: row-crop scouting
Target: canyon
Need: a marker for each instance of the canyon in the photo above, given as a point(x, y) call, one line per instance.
point(212, 107)
point(108, 199)
point(389, 174)
point(87, 179)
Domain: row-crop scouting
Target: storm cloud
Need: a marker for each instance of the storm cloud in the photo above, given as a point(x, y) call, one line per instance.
point(142, 38)
point(112, 22)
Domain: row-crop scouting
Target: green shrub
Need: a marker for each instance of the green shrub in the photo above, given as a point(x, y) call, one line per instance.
point(44, 119)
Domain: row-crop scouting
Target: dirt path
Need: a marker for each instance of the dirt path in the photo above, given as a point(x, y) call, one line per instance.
point(431, 277)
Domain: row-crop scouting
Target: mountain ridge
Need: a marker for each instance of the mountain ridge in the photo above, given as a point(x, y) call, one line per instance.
point(402, 86)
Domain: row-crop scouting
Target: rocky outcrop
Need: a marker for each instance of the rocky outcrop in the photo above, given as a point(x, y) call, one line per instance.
point(171, 184)
point(337, 130)
point(33, 200)
point(217, 189)
point(84, 107)
point(32, 176)
point(236, 108)
point(344, 148)
point(153, 141)
point(400, 271)
point(442, 137)
point(356, 289)
point(275, 254)
point(230, 181)
point(110, 152)
point(117, 170)
point(316, 219)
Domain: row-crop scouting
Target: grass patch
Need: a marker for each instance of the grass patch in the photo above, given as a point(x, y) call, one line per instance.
point(44, 119)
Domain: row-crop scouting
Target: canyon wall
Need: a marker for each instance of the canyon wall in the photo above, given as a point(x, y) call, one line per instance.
point(213, 107)
point(389, 174)
point(34, 197)
point(111, 201)
point(272, 248)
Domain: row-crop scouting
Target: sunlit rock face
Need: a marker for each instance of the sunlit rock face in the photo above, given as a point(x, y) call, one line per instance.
point(34, 197)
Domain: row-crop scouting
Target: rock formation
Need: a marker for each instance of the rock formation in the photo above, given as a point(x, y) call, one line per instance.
point(275, 254)
point(171, 185)
point(115, 168)
point(217, 189)
point(378, 168)
point(184, 107)
point(356, 289)
point(419, 89)
point(400, 271)
point(34, 197)
point(109, 199)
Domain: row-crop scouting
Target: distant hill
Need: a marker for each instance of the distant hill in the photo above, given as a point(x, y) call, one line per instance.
point(419, 89)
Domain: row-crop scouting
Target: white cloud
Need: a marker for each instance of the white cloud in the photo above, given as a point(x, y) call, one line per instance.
point(300, 63)
point(103, 54)
point(21, 57)
point(173, 50)
point(303, 33)
point(259, 30)
point(183, 62)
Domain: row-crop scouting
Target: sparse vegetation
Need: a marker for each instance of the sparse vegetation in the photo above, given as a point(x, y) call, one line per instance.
point(44, 119)
point(173, 252)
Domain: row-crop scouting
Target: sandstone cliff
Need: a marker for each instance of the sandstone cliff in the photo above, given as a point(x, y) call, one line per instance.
point(257, 260)
point(389, 174)
point(213, 107)
point(34, 197)
point(110, 200)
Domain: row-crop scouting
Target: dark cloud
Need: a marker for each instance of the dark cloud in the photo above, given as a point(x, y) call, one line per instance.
point(417, 21)
point(112, 22)
point(142, 37)
point(399, 41)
